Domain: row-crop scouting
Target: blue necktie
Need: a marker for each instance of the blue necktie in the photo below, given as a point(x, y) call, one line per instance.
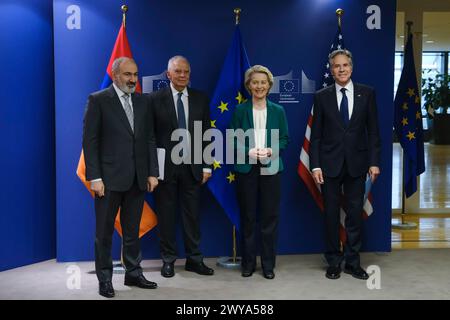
point(181, 119)
point(180, 111)
point(344, 108)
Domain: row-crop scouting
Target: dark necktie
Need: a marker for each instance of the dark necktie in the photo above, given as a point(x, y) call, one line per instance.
point(344, 107)
point(181, 120)
point(180, 111)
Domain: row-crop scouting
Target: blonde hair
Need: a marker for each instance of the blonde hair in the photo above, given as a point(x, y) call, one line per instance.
point(257, 69)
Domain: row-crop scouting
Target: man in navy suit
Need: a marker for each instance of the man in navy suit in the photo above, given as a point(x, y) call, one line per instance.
point(345, 146)
point(121, 164)
point(178, 108)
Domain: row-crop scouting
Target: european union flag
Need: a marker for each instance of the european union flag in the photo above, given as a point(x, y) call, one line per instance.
point(230, 91)
point(408, 122)
point(160, 84)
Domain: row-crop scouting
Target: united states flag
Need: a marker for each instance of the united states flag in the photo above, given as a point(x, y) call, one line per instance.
point(303, 166)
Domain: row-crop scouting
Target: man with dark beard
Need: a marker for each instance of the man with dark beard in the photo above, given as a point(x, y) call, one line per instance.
point(121, 164)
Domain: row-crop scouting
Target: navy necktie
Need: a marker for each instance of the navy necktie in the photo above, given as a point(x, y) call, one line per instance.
point(344, 108)
point(181, 120)
point(180, 111)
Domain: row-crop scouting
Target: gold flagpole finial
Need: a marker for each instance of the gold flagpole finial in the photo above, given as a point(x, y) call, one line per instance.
point(124, 9)
point(339, 13)
point(237, 12)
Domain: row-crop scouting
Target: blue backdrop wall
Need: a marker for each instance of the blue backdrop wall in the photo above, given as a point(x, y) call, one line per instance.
point(27, 217)
point(287, 35)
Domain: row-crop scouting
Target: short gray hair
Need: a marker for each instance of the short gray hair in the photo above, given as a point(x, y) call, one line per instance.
point(116, 64)
point(257, 69)
point(344, 52)
point(177, 57)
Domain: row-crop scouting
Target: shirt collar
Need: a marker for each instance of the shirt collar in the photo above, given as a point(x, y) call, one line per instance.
point(349, 87)
point(175, 91)
point(119, 92)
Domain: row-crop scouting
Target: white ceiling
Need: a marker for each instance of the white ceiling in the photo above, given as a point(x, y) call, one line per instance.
point(436, 31)
point(436, 23)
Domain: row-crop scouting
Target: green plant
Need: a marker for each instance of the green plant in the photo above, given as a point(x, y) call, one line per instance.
point(436, 93)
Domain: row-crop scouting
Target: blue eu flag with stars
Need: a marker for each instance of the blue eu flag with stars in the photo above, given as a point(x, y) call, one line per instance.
point(229, 92)
point(408, 122)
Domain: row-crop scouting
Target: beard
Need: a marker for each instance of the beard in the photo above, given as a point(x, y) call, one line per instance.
point(127, 87)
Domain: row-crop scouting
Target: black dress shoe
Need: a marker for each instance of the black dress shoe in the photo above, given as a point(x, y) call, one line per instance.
point(269, 274)
point(333, 273)
point(247, 273)
point(356, 272)
point(167, 270)
point(106, 289)
point(199, 268)
point(140, 282)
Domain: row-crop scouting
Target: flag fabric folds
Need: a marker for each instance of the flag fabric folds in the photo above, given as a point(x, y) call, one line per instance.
point(303, 167)
point(229, 92)
point(408, 122)
point(121, 49)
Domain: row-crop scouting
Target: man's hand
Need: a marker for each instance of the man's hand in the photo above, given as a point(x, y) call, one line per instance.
point(152, 183)
point(374, 172)
point(98, 187)
point(318, 176)
point(206, 176)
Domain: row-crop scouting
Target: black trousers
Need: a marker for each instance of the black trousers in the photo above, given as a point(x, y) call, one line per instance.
point(255, 190)
point(130, 203)
point(184, 189)
point(353, 190)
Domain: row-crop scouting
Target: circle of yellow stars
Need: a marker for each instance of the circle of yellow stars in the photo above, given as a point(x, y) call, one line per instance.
point(223, 107)
point(411, 92)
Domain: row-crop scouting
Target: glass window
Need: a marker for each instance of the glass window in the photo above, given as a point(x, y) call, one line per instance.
point(432, 64)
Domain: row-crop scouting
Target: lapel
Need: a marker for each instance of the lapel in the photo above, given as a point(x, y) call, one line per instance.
point(332, 102)
point(357, 100)
point(168, 101)
point(190, 115)
point(270, 123)
point(249, 109)
point(118, 109)
point(138, 112)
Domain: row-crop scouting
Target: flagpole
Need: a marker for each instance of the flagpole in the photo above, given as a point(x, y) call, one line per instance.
point(339, 14)
point(119, 268)
point(404, 225)
point(234, 262)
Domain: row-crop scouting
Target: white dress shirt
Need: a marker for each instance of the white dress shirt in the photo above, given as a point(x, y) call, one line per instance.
point(259, 124)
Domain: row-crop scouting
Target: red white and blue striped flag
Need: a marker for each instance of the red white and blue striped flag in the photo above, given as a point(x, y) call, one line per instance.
point(303, 166)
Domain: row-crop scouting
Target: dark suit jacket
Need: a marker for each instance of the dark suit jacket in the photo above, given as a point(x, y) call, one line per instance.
point(165, 122)
point(332, 143)
point(276, 119)
point(111, 151)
